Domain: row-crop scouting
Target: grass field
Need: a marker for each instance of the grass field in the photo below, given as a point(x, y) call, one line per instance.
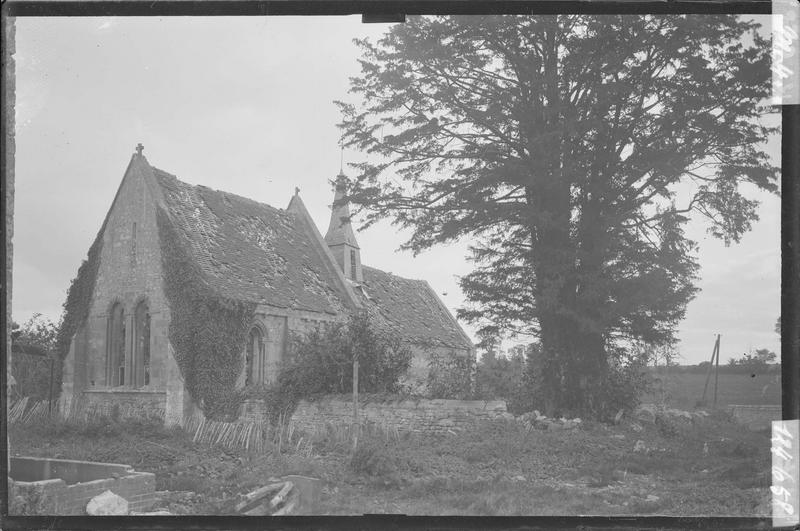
point(684, 390)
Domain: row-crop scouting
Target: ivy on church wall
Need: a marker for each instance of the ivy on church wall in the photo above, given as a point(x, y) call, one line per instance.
point(78, 303)
point(207, 331)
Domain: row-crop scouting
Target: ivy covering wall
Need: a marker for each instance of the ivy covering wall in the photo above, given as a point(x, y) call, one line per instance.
point(77, 305)
point(207, 331)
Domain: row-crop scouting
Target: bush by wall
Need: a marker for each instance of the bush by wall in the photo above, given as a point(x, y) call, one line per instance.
point(35, 365)
point(31, 367)
point(321, 362)
point(450, 376)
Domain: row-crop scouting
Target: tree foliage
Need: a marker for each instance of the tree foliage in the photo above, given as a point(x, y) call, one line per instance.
point(37, 332)
point(571, 150)
point(33, 357)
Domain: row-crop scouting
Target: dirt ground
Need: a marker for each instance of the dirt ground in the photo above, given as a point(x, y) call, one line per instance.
point(709, 466)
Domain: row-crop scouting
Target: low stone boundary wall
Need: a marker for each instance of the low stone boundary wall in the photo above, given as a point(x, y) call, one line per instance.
point(40, 483)
point(409, 414)
point(755, 417)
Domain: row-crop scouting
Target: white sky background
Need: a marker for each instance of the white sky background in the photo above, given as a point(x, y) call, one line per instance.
point(245, 105)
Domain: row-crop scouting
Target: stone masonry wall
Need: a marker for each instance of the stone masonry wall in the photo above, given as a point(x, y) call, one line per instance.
point(153, 403)
point(130, 271)
point(418, 415)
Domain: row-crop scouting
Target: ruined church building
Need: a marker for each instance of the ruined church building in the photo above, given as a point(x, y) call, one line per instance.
point(247, 251)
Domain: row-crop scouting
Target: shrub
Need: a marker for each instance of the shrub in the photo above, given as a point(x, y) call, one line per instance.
point(504, 378)
point(450, 376)
point(34, 362)
point(32, 373)
point(321, 362)
point(624, 382)
point(377, 461)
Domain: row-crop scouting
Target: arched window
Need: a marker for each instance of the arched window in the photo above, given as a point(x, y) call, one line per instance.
point(255, 362)
point(141, 345)
point(115, 346)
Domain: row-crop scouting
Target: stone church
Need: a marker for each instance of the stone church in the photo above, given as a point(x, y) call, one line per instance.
point(249, 251)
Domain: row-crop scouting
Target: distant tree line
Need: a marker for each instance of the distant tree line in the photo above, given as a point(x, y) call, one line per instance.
point(759, 362)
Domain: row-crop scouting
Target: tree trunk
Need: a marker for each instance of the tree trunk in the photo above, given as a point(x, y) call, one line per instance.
point(573, 361)
point(575, 364)
point(574, 367)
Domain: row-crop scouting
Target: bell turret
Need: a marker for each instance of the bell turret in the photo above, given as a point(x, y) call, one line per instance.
point(340, 237)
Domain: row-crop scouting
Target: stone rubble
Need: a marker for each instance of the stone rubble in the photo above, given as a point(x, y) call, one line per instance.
point(535, 420)
point(649, 412)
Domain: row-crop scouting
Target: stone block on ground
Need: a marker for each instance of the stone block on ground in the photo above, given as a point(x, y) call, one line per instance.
point(107, 504)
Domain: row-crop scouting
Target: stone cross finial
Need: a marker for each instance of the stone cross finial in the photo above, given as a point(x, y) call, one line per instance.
point(296, 190)
point(139, 148)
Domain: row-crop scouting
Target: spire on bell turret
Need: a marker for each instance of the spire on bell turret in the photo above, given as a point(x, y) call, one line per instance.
point(340, 237)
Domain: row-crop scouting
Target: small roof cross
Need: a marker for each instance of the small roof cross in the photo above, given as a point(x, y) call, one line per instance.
point(296, 190)
point(139, 148)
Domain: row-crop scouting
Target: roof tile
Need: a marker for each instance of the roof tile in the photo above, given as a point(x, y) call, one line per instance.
point(249, 250)
point(410, 309)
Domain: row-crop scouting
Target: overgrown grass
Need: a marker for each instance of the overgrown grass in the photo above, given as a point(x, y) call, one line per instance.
point(489, 468)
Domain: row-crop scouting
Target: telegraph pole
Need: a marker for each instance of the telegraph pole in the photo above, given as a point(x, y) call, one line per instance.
point(714, 357)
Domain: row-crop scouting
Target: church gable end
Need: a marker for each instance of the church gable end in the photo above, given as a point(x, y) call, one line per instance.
point(122, 348)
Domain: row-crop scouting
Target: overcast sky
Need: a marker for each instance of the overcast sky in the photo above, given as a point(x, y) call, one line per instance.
point(246, 105)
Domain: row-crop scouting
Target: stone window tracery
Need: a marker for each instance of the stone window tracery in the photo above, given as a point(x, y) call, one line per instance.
point(255, 357)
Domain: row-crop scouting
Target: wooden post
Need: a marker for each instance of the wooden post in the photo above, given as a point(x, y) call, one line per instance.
point(50, 392)
point(355, 404)
point(716, 374)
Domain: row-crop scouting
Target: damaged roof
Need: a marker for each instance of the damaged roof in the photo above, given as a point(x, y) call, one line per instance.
point(410, 309)
point(251, 251)
point(255, 252)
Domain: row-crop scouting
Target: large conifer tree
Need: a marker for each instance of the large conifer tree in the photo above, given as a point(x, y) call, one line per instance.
point(571, 150)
